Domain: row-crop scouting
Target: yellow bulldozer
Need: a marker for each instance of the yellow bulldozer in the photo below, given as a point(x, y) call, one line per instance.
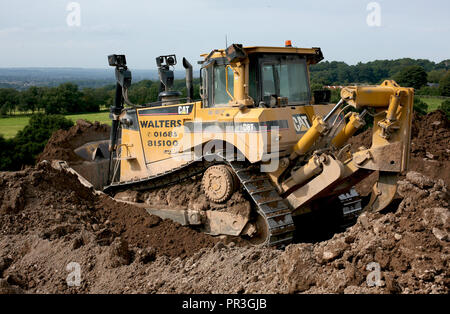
point(258, 129)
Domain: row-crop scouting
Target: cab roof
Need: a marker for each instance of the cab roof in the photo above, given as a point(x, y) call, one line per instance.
point(313, 55)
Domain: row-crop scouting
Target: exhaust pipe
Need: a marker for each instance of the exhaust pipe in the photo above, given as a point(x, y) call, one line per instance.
point(115, 111)
point(123, 82)
point(189, 79)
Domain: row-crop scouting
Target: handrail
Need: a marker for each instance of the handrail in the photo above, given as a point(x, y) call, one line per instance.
point(226, 81)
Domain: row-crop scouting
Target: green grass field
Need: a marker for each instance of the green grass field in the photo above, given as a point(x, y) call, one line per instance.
point(102, 117)
point(9, 126)
point(432, 102)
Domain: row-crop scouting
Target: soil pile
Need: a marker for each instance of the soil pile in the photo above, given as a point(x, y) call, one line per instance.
point(43, 210)
point(120, 248)
point(409, 247)
point(430, 148)
point(62, 142)
point(431, 136)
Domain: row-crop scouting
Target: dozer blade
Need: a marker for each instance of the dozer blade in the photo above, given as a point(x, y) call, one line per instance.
point(95, 164)
point(93, 150)
point(383, 191)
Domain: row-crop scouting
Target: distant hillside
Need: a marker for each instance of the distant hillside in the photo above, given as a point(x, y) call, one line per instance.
point(22, 78)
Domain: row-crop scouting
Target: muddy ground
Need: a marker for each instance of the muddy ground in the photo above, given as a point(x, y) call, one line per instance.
point(48, 220)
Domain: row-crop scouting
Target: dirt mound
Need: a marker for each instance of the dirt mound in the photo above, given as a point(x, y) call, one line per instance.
point(410, 247)
point(62, 142)
point(430, 148)
point(43, 209)
point(120, 248)
point(142, 230)
point(431, 137)
point(55, 204)
point(45, 201)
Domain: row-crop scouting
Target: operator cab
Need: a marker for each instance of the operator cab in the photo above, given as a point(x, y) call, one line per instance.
point(257, 76)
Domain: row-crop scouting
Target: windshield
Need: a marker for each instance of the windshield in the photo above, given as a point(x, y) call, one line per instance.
point(285, 76)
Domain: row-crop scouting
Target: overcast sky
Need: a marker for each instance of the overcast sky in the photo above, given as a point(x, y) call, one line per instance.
point(36, 33)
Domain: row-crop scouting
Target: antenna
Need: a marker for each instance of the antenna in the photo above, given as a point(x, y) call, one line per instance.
point(226, 41)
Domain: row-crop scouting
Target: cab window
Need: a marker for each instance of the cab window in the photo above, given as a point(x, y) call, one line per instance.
point(221, 96)
point(286, 78)
point(281, 76)
point(206, 88)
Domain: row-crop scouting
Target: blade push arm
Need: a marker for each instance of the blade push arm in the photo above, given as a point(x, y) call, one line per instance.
point(323, 175)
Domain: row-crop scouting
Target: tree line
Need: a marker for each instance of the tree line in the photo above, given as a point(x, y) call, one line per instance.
point(406, 72)
point(64, 99)
point(68, 98)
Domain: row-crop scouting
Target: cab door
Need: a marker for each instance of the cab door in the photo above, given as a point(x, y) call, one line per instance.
point(218, 93)
point(216, 114)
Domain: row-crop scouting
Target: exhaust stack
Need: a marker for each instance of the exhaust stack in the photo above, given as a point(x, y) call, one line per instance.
point(189, 80)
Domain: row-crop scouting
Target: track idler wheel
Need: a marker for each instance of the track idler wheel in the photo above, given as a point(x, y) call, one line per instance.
point(219, 183)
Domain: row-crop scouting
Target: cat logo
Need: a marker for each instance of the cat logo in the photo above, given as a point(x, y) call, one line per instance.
point(301, 123)
point(183, 109)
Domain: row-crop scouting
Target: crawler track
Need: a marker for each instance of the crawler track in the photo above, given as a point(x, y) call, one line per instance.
point(270, 206)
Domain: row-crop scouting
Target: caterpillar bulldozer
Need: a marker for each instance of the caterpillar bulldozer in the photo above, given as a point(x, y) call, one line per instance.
point(258, 129)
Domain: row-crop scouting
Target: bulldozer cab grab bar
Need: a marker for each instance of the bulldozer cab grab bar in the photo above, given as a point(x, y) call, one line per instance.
point(226, 81)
